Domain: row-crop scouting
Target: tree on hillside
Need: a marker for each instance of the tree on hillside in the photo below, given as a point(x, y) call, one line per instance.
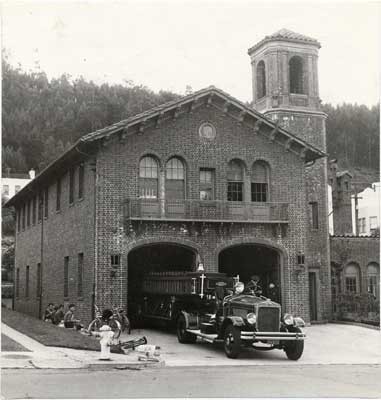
point(41, 118)
point(353, 134)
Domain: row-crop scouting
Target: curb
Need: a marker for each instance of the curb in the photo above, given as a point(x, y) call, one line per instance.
point(376, 328)
point(104, 365)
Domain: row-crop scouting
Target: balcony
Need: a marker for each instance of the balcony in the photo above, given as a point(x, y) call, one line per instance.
point(205, 211)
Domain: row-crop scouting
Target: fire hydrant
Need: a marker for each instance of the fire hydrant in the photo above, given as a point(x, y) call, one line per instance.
point(106, 335)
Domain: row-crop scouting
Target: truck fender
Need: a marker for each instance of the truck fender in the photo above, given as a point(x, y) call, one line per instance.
point(235, 321)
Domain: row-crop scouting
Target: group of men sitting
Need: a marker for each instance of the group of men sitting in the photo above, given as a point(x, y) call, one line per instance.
point(56, 315)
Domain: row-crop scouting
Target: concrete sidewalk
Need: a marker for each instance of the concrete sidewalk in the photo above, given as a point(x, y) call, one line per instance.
point(40, 356)
point(326, 344)
point(329, 344)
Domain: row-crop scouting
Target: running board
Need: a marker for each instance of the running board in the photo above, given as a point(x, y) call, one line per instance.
point(211, 338)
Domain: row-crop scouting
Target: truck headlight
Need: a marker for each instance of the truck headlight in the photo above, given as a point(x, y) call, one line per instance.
point(288, 319)
point(251, 318)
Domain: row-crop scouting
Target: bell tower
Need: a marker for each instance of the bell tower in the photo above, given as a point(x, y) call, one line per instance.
point(286, 90)
point(286, 86)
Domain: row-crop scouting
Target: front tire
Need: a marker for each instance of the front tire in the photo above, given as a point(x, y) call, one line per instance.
point(182, 335)
point(232, 341)
point(294, 349)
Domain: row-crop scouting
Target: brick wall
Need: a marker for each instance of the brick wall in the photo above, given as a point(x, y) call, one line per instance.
point(355, 249)
point(117, 169)
point(65, 233)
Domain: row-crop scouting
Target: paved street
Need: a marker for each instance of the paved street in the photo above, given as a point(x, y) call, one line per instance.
point(247, 381)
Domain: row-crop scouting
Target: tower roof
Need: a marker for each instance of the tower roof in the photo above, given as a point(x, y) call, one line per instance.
point(287, 36)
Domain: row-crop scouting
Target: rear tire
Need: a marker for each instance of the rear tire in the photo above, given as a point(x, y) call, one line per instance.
point(182, 335)
point(232, 341)
point(294, 348)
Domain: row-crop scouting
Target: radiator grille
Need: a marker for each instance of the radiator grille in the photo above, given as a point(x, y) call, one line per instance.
point(268, 319)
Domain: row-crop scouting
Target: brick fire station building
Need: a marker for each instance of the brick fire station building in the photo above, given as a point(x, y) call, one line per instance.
point(201, 179)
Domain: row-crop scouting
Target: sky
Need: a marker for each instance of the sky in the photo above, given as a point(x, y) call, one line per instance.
point(168, 45)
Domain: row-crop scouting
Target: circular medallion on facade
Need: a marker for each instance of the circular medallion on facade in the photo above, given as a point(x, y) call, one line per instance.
point(207, 131)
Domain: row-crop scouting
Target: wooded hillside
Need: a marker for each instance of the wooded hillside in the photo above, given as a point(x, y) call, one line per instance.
point(42, 117)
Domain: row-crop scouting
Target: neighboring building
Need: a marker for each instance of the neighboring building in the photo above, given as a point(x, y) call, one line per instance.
point(202, 179)
point(355, 259)
point(12, 183)
point(369, 211)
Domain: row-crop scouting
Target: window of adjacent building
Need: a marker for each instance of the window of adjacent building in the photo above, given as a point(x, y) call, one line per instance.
point(352, 279)
point(5, 190)
point(235, 181)
point(28, 213)
point(58, 194)
point(261, 80)
point(17, 188)
point(315, 215)
point(296, 75)
point(34, 202)
point(39, 280)
point(23, 215)
point(80, 275)
point(40, 206)
point(373, 272)
point(260, 182)
point(71, 185)
point(66, 277)
point(27, 281)
point(46, 202)
point(207, 186)
point(174, 179)
point(81, 177)
point(373, 223)
point(362, 225)
point(148, 178)
point(17, 289)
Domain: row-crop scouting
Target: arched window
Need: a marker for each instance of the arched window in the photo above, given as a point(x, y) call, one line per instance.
point(296, 75)
point(260, 182)
point(373, 272)
point(261, 80)
point(175, 179)
point(235, 181)
point(148, 178)
point(352, 278)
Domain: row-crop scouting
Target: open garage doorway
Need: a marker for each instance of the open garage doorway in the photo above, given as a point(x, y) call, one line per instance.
point(158, 257)
point(251, 259)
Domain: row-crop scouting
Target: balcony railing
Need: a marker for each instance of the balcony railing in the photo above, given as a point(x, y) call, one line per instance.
point(205, 210)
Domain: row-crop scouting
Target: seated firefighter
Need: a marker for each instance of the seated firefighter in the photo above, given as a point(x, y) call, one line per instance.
point(253, 286)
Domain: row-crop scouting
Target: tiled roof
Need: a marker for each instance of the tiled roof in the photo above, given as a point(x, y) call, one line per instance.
point(355, 236)
point(139, 119)
point(285, 35)
point(14, 175)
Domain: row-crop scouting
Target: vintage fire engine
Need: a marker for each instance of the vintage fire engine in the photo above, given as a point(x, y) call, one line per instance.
point(218, 309)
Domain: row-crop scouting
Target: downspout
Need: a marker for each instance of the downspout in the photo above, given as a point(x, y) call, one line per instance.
point(95, 281)
point(41, 258)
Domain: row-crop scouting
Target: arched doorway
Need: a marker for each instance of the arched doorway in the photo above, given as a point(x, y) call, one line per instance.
point(246, 260)
point(156, 257)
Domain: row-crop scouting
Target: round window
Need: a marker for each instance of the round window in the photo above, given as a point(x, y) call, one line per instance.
point(207, 131)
